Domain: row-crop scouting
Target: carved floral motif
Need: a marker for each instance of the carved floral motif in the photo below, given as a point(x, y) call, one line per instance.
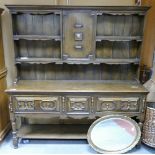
point(48, 105)
point(25, 105)
point(78, 104)
point(110, 104)
point(129, 105)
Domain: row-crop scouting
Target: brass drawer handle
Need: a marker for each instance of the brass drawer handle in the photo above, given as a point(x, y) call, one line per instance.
point(78, 26)
point(78, 47)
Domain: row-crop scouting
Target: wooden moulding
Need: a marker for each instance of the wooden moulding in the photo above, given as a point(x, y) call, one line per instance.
point(49, 7)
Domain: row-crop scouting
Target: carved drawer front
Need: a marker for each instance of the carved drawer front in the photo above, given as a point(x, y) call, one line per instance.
point(117, 104)
point(79, 32)
point(77, 105)
point(37, 104)
point(130, 104)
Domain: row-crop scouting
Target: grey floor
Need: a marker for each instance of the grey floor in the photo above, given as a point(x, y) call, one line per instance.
point(57, 147)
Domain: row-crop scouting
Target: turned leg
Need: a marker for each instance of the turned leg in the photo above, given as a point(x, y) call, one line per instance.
point(14, 133)
point(141, 120)
point(13, 122)
point(140, 141)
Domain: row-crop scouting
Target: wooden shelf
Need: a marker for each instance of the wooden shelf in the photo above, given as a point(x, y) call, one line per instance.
point(75, 86)
point(118, 61)
point(120, 13)
point(58, 38)
point(59, 61)
point(53, 131)
point(37, 60)
point(119, 38)
point(36, 37)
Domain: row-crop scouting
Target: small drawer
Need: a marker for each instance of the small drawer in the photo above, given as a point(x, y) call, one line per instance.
point(117, 104)
point(78, 105)
point(36, 104)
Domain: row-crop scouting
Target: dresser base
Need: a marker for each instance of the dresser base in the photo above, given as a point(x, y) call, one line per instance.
point(70, 103)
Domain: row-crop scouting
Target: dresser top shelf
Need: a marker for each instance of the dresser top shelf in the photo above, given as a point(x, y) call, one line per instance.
point(103, 8)
point(66, 86)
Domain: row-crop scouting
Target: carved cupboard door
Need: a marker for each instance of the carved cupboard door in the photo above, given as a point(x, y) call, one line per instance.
point(78, 35)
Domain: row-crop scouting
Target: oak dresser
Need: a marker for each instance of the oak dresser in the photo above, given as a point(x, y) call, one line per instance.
point(74, 64)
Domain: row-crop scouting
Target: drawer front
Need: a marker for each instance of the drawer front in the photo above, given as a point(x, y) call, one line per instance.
point(78, 40)
point(34, 104)
point(78, 105)
point(118, 104)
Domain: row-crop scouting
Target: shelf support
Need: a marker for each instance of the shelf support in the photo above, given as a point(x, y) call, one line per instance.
point(13, 123)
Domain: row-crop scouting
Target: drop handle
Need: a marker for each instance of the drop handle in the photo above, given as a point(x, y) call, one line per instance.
point(78, 26)
point(78, 47)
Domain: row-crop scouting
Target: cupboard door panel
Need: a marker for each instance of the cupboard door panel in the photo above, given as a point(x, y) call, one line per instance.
point(78, 39)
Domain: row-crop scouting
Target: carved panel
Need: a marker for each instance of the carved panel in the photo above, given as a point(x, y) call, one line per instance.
point(104, 104)
point(24, 103)
point(37, 103)
point(117, 104)
point(51, 104)
point(78, 104)
point(78, 34)
point(130, 104)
